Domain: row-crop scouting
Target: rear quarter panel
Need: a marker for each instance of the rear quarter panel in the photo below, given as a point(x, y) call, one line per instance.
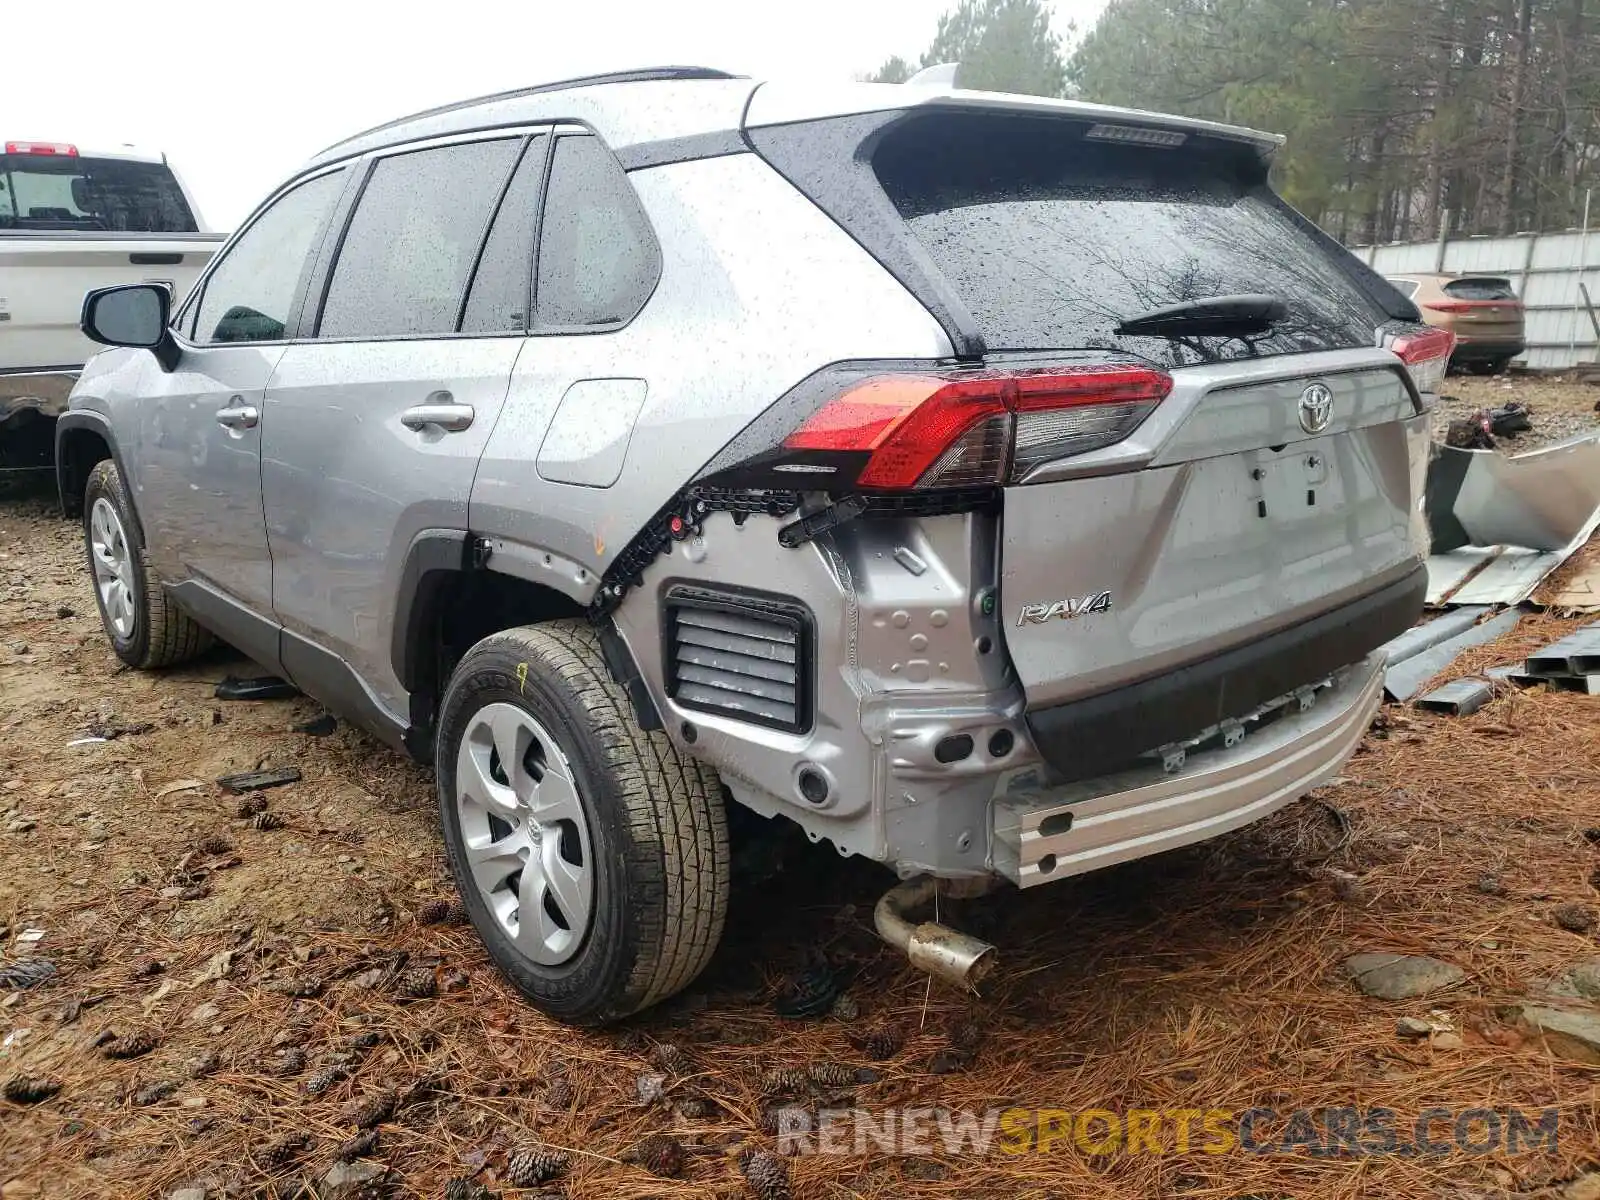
point(758, 289)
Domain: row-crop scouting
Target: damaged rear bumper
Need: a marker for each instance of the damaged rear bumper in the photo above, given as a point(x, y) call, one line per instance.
point(1044, 834)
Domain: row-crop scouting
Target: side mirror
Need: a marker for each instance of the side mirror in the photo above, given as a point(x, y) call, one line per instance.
point(134, 314)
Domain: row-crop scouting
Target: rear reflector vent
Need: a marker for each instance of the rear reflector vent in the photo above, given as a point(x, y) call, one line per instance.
point(745, 655)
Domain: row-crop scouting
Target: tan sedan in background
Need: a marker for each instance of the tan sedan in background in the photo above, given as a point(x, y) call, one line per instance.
point(1481, 310)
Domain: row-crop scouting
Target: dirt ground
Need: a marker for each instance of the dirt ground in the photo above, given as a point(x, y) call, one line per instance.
point(1559, 407)
point(1204, 979)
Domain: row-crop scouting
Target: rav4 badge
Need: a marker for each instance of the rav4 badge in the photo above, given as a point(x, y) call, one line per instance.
point(1038, 614)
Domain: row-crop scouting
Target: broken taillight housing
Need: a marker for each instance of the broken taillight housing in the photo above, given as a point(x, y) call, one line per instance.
point(926, 430)
point(1426, 353)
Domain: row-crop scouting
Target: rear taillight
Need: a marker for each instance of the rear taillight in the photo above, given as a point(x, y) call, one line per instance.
point(954, 429)
point(1463, 306)
point(1426, 353)
point(64, 149)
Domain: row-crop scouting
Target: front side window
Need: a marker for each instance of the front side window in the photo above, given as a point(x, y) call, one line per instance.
point(413, 240)
point(66, 192)
point(598, 260)
point(249, 295)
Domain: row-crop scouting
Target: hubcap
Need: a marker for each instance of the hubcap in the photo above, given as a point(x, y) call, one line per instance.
point(525, 833)
point(112, 561)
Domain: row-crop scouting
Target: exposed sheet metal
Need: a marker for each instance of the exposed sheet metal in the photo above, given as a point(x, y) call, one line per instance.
point(1576, 654)
point(1459, 697)
point(1408, 675)
point(1542, 500)
point(1520, 516)
point(1419, 637)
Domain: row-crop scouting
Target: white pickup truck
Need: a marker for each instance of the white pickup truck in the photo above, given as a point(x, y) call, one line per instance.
point(72, 220)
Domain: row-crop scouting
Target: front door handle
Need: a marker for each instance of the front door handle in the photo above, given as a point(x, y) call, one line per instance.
point(239, 416)
point(452, 418)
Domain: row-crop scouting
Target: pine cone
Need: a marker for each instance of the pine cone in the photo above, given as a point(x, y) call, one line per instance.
point(372, 1112)
point(695, 1108)
point(304, 987)
point(967, 1035)
point(26, 1089)
point(30, 972)
point(832, 1074)
point(458, 915)
point(291, 1062)
point(466, 1189)
point(771, 1119)
point(360, 1043)
point(766, 1173)
point(560, 1094)
point(363, 1144)
point(419, 984)
point(154, 1093)
point(631, 1041)
point(668, 1058)
point(845, 1008)
point(660, 1155)
point(251, 805)
point(146, 967)
point(324, 1078)
point(274, 1156)
point(878, 1044)
point(786, 1081)
point(214, 844)
point(265, 821)
point(131, 1046)
point(434, 912)
point(536, 1165)
point(202, 1065)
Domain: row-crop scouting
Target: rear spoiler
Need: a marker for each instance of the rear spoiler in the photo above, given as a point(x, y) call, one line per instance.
point(779, 103)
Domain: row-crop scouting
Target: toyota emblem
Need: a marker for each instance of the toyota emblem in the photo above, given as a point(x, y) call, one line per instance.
point(1316, 407)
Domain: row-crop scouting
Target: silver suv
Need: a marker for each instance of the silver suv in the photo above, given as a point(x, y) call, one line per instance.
point(997, 488)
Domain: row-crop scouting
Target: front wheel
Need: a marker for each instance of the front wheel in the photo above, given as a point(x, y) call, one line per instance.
point(145, 628)
point(591, 855)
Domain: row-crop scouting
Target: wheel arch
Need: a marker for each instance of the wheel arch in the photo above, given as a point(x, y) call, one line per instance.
point(453, 593)
point(84, 439)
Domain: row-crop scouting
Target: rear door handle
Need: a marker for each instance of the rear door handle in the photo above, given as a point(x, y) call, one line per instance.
point(239, 416)
point(452, 418)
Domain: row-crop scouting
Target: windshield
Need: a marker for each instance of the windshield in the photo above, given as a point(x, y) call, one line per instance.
point(100, 194)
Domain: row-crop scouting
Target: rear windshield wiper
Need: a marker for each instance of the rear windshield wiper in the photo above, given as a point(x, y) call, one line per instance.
point(1216, 316)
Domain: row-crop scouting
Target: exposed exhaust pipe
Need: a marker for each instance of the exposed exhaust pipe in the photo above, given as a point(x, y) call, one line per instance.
point(937, 949)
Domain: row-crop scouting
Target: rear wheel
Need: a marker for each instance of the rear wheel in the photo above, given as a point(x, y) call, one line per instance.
point(143, 625)
point(592, 857)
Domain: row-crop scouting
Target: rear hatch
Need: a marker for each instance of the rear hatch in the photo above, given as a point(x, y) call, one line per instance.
point(1270, 479)
point(1480, 308)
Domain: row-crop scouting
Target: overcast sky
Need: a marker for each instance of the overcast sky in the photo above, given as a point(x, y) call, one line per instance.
point(238, 95)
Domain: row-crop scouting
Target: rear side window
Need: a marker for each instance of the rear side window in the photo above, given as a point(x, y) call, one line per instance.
point(502, 284)
point(67, 192)
point(598, 260)
point(413, 239)
point(1480, 289)
point(1051, 240)
point(249, 294)
point(1406, 287)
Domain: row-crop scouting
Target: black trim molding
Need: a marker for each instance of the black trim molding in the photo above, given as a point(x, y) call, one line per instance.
point(1087, 738)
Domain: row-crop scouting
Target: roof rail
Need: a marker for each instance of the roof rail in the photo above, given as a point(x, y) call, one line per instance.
point(639, 75)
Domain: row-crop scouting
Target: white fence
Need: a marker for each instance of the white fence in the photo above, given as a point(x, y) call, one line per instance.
point(1544, 268)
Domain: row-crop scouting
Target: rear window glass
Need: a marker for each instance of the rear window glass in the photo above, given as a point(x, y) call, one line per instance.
point(1480, 289)
point(90, 194)
point(1051, 240)
point(1407, 287)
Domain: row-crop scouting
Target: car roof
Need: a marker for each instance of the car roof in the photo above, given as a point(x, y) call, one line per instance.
point(628, 108)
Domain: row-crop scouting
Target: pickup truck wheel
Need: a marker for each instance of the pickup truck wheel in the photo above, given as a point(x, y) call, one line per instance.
point(591, 855)
point(145, 628)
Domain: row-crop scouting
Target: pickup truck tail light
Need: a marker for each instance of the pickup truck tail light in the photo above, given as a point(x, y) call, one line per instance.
point(61, 149)
point(922, 430)
point(1466, 306)
point(1426, 354)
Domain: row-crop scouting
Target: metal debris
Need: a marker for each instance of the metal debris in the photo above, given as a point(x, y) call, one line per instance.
point(1406, 676)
